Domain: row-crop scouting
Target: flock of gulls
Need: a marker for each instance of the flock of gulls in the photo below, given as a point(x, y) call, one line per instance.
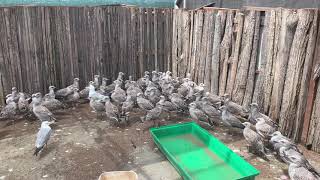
point(157, 94)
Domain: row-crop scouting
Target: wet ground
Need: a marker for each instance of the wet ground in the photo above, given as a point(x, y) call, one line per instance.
point(82, 147)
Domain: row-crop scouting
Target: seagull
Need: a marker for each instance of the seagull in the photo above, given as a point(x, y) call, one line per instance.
point(127, 105)
point(84, 93)
point(76, 83)
point(199, 88)
point(254, 114)
point(43, 137)
point(51, 92)
point(230, 120)
point(254, 139)
point(154, 114)
point(98, 105)
point(118, 95)
point(198, 115)
point(51, 104)
point(23, 103)
point(177, 100)
point(133, 91)
point(93, 94)
point(63, 93)
point(155, 77)
point(213, 113)
point(9, 111)
point(40, 111)
point(298, 171)
point(143, 103)
point(264, 129)
point(234, 108)
point(112, 111)
point(167, 105)
point(104, 82)
point(74, 98)
point(15, 94)
point(214, 99)
point(96, 81)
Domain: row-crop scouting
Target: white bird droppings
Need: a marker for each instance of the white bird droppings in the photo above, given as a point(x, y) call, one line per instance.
point(45, 176)
point(10, 170)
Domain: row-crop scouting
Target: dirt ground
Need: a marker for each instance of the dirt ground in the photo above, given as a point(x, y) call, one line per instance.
point(82, 147)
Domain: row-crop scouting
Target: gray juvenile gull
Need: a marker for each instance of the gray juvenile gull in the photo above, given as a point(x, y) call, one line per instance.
point(143, 103)
point(23, 103)
point(51, 92)
point(198, 115)
point(229, 119)
point(264, 129)
point(154, 114)
point(118, 95)
point(254, 140)
point(43, 137)
point(254, 114)
point(299, 172)
point(98, 105)
point(40, 111)
point(112, 111)
point(234, 108)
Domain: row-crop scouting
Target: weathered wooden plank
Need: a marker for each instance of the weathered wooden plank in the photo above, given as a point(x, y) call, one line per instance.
point(191, 42)
point(313, 138)
point(203, 47)
point(273, 51)
point(175, 43)
point(239, 20)
point(199, 32)
point(208, 57)
point(288, 24)
point(306, 138)
point(266, 39)
point(294, 75)
point(305, 79)
point(225, 53)
point(215, 59)
point(252, 68)
point(239, 88)
point(155, 30)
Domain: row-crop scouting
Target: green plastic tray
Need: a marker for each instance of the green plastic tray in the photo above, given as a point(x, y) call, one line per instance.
point(196, 154)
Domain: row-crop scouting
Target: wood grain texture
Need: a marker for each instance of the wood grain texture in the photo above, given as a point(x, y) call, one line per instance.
point(215, 59)
point(294, 73)
point(225, 53)
point(239, 88)
point(45, 46)
point(288, 25)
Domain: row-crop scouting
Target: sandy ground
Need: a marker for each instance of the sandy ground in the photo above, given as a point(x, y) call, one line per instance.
point(82, 147)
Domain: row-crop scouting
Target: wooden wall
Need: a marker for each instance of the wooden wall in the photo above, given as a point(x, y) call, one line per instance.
point(265, 56)
point(42, 46)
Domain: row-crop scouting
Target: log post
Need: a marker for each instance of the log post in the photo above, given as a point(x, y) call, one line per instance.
point(252, 68)
point(208, 58)
point(225, 53)
point(288, 25)
point(268, 30)
point(235, 56)
point(214, 85)
point(245, 55)
point(305, 81)
point(293, 74)
point(311, 91)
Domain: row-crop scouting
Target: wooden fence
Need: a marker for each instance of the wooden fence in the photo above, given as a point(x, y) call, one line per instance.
point(264, 56)
point(42, 46)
